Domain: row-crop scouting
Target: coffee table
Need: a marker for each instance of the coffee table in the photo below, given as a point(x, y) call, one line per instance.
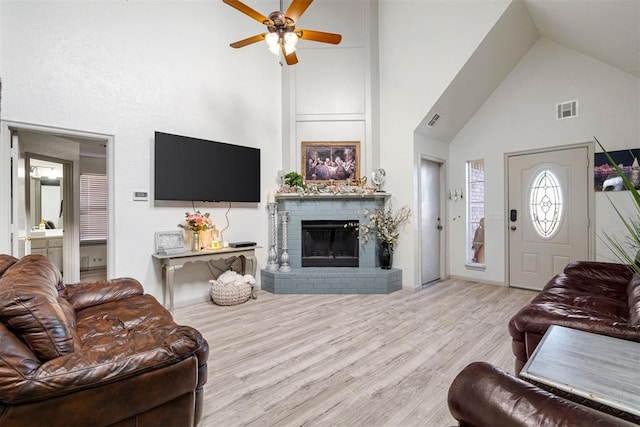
point(598, 368)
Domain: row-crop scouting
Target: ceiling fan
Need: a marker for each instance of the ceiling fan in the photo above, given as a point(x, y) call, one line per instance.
point(282, 34)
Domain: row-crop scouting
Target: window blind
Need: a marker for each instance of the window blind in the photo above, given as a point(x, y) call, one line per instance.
point(93, 207)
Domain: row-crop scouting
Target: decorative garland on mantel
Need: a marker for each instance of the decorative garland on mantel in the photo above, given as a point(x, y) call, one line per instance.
point(329, 190)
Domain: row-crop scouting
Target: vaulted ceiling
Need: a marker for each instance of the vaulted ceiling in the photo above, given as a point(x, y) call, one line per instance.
point(607, 30)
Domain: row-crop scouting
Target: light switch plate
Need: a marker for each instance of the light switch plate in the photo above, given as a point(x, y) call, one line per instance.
point(140, 196)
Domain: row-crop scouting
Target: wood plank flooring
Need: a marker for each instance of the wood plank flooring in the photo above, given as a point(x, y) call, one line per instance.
point(350, 360)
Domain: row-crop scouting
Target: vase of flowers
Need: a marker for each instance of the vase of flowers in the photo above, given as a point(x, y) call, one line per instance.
point(384, 223)
point(195, 223)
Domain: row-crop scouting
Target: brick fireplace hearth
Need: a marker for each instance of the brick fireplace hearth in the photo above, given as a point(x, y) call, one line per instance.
point(367, 277)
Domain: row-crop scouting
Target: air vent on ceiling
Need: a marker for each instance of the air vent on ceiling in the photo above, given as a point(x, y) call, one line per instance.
point(566, 110)
point(433, 120)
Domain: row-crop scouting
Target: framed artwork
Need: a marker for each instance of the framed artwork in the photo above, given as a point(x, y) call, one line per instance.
point(169, 242)
point(324, 161)
point(605, 176)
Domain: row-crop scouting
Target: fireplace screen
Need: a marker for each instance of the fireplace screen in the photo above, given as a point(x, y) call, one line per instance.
point(329, 244)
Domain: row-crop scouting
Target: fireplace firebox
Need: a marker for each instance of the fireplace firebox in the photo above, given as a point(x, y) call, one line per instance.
point(329, 244)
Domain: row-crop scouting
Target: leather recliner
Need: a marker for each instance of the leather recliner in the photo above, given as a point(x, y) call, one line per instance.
point(94, 353)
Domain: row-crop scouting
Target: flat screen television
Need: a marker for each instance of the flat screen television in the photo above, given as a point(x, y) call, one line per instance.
point(193, 169)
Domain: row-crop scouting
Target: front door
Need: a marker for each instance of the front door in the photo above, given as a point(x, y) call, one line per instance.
point(548, 214)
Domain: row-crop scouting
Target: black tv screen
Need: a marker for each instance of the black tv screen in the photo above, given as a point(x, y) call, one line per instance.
point(193, 169)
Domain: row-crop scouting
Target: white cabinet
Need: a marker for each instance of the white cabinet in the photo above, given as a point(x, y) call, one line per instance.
point(51, 247)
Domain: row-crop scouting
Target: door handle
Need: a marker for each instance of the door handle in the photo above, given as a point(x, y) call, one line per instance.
point(513, 227)
point(439, 226)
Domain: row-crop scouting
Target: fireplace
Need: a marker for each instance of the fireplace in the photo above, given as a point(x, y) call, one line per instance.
point(324, 217)
point(329, 244)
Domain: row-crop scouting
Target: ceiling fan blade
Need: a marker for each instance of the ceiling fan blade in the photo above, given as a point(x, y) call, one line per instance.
point(296, 9)
point(319, 36)
point(237, 4)
point(291, 59)
point(248, 41)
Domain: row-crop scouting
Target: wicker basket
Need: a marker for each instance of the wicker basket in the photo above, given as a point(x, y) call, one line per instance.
point(231, 294)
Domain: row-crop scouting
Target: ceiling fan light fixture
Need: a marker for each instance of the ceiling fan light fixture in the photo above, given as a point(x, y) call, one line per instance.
point(273, 43)
point(290, 42)
point(282, 36)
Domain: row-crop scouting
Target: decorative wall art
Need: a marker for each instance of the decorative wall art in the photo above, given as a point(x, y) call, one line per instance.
point(605, 176)
point(325, 161)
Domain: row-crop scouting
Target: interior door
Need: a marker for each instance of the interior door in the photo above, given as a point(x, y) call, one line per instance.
point(430, 220)
point(548, 215)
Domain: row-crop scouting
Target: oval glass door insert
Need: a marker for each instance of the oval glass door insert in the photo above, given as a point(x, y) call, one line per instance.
point(545, 203)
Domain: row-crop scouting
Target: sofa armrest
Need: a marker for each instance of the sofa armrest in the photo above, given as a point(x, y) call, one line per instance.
point(87, 294)
point(485, 396)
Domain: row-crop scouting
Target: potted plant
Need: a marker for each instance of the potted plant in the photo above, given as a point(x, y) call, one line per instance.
point(293, 179)
point(384, 223)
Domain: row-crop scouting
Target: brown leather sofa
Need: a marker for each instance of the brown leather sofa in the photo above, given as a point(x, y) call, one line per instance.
point(482, 395)
point(93, 354)
point(602, 298)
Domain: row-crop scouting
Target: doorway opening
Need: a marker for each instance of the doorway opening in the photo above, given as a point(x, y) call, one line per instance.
point(24, 144)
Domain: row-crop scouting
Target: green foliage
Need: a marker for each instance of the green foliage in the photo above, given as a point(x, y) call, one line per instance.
point(293, 179)
point(384, 222)
point(627, 250)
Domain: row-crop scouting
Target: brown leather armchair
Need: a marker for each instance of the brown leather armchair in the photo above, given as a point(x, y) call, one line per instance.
point(99, 353)
point(485, 396)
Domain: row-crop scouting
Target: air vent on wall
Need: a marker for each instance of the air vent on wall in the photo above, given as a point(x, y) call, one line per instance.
point(566, 110)
point(433, 120)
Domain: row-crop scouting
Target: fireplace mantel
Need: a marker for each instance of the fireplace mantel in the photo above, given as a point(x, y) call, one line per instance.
point(325, 196)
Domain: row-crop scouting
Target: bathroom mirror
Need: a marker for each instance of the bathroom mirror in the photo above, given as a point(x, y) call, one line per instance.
point(45, 193)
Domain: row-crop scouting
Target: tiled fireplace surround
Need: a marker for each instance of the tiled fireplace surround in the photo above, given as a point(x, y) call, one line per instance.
point(367, 278)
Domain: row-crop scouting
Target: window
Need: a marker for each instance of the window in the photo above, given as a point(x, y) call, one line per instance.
point(475, 211)
point(545, 204)
point(93, 207)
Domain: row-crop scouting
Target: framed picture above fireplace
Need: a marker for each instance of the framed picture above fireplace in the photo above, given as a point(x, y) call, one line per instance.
point(330, 160)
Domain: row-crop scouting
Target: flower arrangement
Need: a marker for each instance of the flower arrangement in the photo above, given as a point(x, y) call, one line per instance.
point(196, 222)
point(384, 223)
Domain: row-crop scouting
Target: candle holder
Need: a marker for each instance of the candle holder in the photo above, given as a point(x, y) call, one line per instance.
point(272, 255)
point(284, 256)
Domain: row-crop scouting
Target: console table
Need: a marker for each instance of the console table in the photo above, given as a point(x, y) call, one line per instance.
point(171, 263)
point(598, 368)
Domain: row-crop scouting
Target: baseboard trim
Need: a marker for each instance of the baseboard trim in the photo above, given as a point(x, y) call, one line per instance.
point(488, 282)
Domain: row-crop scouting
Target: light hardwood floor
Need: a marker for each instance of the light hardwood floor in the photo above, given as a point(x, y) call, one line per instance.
point(350, 360)
point(93, 274)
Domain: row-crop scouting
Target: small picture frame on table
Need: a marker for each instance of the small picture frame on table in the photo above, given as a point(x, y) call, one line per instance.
point(169, 242)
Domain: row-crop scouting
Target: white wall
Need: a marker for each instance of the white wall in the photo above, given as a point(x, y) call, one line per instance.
point(423, 44)
point(520, 115)
point(332, 88)
point(129, 68)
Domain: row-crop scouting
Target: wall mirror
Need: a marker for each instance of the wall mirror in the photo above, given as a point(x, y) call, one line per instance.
point(46, 179)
